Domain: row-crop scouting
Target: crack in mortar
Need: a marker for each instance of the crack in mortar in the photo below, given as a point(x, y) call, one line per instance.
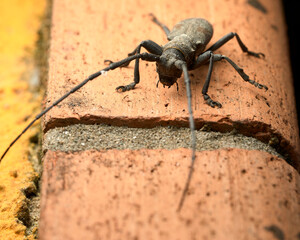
point(248, 128)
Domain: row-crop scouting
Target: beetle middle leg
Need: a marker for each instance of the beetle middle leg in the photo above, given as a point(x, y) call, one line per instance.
point(208, 55)
point(228, 37)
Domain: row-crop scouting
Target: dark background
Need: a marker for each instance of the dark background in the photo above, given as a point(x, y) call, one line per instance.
point(291, 10)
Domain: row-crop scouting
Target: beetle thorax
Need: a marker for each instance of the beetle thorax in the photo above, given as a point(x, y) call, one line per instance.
point(184, 44)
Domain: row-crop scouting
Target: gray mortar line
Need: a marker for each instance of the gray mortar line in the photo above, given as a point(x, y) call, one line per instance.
point(80, 137)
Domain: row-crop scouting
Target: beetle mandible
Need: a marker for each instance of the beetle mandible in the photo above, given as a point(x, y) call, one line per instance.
point(185, 51)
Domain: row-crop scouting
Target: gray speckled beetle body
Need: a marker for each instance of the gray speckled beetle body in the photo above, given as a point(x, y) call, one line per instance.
point(187, 40)
point(184, 51)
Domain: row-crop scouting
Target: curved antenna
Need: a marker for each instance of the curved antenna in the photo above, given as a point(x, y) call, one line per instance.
point(47, 109)
point(112, 66)
point(193, 134)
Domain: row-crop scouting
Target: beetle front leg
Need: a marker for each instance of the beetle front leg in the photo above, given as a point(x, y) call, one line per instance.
point(202, 59)
point(206, 97)
point(150, 46)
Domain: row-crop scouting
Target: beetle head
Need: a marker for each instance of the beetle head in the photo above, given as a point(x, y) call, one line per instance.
point(167, 68)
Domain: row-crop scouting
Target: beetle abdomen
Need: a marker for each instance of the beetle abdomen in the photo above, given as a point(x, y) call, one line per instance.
point(199, 30)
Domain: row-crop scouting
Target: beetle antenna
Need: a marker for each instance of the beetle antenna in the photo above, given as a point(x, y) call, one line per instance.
point(112, 66)
point(193, 134)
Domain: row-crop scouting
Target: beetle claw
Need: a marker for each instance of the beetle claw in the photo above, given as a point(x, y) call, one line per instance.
point(258, 55)
point(126, 87)
point(120, 89)
point(211, 102)
point(107, 61)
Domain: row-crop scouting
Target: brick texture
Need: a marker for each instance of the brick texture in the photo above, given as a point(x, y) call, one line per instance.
point(133, 194)
point(235, 194)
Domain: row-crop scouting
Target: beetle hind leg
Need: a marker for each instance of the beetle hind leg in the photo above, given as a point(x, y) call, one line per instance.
point(164, 27)
point(230, 36)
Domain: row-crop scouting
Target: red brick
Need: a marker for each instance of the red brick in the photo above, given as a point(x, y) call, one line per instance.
point(234, 194)
point(84, 33)
point(126, 194)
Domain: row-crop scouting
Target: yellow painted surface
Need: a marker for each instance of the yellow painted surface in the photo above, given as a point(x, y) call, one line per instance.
point(20, 21)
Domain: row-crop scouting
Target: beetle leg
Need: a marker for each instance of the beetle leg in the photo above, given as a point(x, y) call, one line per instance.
point(164, 27)
point(242, 74)
point(206, 97)
point(228, 37)
point(150, 46)
point(201, 59)
point(218, 57)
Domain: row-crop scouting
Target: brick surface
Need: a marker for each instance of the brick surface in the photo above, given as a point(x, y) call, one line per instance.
point(134, 194)
point(84, 33)
point(234, 194)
